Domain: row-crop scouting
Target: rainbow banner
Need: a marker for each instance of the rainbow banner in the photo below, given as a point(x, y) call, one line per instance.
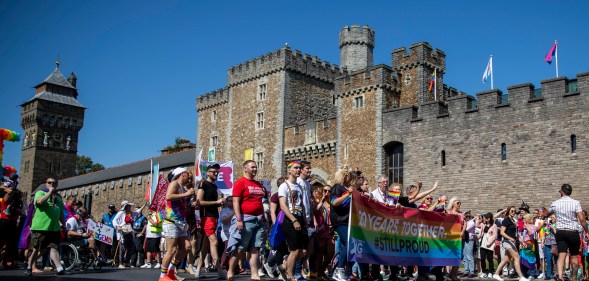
point(402, 236)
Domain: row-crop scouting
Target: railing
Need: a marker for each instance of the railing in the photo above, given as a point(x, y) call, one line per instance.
point(573, 86)
point(503, 99)
point(536, 94)
point(472, 104)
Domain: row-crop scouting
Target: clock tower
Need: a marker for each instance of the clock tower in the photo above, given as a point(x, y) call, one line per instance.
point(51, 121)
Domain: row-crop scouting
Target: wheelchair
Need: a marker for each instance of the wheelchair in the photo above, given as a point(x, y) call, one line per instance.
point(77, 256)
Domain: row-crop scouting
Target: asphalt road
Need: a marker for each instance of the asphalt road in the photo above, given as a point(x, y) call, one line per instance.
point(106, 274)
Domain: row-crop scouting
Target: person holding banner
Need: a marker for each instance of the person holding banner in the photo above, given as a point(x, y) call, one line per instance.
point(207, 196)
point(78, 235)
point(341, 198)
point(294, 227)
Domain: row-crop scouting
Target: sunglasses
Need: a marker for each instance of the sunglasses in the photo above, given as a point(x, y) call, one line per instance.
point(459, 203)
point(326, 190)
point(429, 198)
point(52, 182)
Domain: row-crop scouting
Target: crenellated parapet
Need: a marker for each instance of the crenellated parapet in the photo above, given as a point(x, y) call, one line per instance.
point(557, 94)
point(212, 99)
point(420, 53)
point(378, 76)
point(282, 59)
point(310, 151)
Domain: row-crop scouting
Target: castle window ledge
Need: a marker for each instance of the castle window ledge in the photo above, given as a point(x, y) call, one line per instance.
point(574, 155)
point(444, 115)
point(416, 120)
point(535, 99)
point(502, 105)
point(471, 110)
point(571, 94)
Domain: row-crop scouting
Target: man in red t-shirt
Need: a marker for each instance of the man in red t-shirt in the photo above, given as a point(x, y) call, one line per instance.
point(247, 205)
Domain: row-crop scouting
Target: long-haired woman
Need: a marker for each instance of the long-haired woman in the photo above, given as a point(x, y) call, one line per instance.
point(508, 232)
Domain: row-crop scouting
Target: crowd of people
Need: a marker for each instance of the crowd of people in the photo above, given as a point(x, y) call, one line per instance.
point(298, 233)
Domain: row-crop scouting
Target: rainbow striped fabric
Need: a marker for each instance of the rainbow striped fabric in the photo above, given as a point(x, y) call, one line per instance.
point(394, 195)
point(402, 236)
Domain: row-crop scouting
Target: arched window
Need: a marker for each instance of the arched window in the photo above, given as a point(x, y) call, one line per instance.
point(503, 152)
point(573, 143)
point(394, 152)
point(443, 158)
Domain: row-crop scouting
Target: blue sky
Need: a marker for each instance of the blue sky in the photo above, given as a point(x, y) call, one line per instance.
point(141, 64)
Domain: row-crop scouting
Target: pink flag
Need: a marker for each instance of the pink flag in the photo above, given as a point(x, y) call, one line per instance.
point(550, 54)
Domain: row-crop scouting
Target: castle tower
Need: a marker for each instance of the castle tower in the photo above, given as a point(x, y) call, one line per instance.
point(414, 71)
point(356, 46)
point(51, 121)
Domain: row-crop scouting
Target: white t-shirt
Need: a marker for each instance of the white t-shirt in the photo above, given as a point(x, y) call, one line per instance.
point(295, 194)
point(225, 226)
point(73, 225)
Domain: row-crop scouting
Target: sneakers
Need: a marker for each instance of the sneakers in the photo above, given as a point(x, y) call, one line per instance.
point(198, 273)
point(269, 270)
point(523, 279)
point(340, 275)
point(121, 266)
point(483, 275)
point(541, 276)
point(282, 272)
point(165, 278)
point(222, 275)
point(158, 265)
point(261, 272)
point(190, 269)
point(497, 277)
point(28, 272)
point(147, 265)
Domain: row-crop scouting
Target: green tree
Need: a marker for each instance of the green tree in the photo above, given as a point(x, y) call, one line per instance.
point(84, 165)
point(178, 145)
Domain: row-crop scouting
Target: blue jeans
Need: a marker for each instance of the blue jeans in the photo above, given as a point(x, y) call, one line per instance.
point(468, 257)
point(342, 232)
point(548, 260)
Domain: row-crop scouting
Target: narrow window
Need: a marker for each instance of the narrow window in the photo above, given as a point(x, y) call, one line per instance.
point(573, 143)
point(260, 120)
point(443, 158)
point(359, 102)
point(407, 79)
point(59, 167)
point(214, 141)
point(325, 123)
point(296, 129)
point(262, 92)
point(503, 152)
point(51, 167)
point(260, 160)
point(214, 115)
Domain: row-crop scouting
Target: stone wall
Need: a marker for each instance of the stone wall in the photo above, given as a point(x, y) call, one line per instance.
point(536, 131)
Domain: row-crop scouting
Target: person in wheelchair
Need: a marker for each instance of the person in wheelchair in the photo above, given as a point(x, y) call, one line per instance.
point(77, 233)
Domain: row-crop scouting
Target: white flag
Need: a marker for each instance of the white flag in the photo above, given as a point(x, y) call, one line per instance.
point(488, 70)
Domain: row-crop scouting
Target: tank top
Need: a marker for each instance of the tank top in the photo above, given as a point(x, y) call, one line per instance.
point(176, 209)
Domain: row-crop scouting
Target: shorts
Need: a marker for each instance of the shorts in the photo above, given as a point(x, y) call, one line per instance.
point(45, 239)
point(568, 240)
point(252, 235)
point(172, 230)
point(295, 240)
point(79, 242)
point(506, 245)
point(209, 225)
point(152, 245)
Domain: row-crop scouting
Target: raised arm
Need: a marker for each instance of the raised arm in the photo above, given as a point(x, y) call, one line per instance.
point(425, 193)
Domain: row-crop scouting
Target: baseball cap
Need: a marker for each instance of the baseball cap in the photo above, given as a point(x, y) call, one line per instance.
point(213, 166)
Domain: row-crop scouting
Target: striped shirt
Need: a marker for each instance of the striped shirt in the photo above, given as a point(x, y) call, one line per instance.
point(566, 210)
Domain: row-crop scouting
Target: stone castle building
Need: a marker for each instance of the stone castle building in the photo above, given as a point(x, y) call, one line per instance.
point(51, 121)
point(496, 148)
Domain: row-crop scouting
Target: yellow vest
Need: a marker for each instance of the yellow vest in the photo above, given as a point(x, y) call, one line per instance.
point(157, 228)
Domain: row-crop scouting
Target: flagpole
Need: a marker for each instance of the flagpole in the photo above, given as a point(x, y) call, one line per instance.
point(556, 56)
point(151, 174)
point(492, 73)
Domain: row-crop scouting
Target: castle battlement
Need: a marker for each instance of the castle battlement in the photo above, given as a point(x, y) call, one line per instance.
point(355, 35)
point(419, 53)
point(212, 99)
point(554, 94)
point(282, 59)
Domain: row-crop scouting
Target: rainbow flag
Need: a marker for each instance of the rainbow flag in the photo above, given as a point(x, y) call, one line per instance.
point(402, 236)
point(440, 206)
point(394, 195)
point(432, 81)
